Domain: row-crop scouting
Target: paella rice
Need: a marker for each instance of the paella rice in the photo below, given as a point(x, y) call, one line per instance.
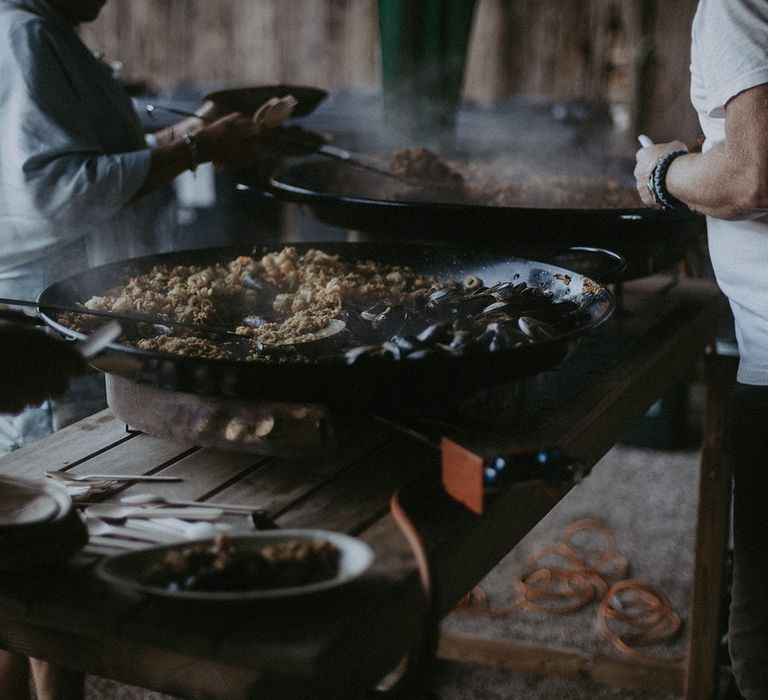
point(282, 297)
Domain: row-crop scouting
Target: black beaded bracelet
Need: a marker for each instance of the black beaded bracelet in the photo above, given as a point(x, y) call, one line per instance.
point(657, 181)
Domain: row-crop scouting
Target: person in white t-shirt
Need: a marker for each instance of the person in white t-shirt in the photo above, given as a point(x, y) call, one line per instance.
point(728, 181)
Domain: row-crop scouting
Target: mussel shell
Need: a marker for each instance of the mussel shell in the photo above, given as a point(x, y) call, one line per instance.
point(498, 336)
point(472, 304)
point(390, 321)
point(373, 312)
point(407, 343)
point(362, 353)
point(462, 340)
point(535, 329)
point(453, 320)
point(435, 333)
point(359, 330)
point(503, 307)
point(422, 354)
point(507, 290)
point(441, 295)
point(449, 350)
point(390, 350)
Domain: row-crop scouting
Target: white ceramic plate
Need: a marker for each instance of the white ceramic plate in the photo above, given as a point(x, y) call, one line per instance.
point(126, 570)
point(39, 525)
point(25, 502)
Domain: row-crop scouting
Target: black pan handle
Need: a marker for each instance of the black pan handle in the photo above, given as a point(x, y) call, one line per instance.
point(600, 264)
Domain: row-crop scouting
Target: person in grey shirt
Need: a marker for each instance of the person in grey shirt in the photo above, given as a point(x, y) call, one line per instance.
point(79, 185)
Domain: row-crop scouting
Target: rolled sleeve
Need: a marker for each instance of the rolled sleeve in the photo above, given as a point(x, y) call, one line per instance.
point(736, 57)
point(68, 186)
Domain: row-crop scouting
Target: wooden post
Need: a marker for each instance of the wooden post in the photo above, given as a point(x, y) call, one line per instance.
point(711, 531)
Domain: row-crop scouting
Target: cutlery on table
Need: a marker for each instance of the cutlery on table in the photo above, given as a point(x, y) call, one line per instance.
point(178, 527)
point(66, 476)
point(150, 499)
point(114, 512)
point(259, 517)
point(100, 528)
point(112, 545)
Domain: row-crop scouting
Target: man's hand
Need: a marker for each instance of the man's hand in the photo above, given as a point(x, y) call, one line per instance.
point(34, 366)
point(646, 159)
point(233, 140)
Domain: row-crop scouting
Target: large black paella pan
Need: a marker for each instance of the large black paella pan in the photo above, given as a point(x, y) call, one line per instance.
point(564, 306)
point(342, 195)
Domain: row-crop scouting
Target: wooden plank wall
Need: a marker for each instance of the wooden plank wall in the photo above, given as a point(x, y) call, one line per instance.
point(631, 53)
point(328, 43)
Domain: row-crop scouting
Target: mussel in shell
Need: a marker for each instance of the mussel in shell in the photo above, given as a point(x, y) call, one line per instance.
point(457, 319)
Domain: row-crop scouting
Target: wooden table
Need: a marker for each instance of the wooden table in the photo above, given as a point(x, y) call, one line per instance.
point(343, 643)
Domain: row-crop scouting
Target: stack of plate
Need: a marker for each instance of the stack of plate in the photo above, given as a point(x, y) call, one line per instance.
point(39, 525)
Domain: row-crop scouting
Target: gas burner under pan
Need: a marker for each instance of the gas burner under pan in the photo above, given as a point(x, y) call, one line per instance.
point(266, 428)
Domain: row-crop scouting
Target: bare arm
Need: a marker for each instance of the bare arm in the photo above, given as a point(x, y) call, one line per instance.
point(730, 181)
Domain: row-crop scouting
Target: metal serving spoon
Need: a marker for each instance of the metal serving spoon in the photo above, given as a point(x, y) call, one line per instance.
point(109, 334)
point(272, 113)
point(150, 109)
point(99, 339)
point(339, 154)
point(133, 318)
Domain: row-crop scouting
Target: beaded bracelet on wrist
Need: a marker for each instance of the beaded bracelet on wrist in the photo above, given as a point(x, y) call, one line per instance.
point(657, 181)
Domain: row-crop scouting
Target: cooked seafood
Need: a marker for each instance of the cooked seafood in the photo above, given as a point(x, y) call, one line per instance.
point(221, 566)
point(423, 165)
point(481, 184)
point(283, 297)
point(280, 302)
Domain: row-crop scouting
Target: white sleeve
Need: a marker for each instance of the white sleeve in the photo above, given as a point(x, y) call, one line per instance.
point(59, 158)
point(731, 37)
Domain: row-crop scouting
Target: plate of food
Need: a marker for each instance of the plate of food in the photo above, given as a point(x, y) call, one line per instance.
point(240, 568)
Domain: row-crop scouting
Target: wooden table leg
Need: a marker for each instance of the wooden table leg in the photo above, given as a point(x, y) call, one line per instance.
point(712, 529)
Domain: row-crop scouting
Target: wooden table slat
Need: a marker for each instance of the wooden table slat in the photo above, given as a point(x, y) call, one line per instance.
point(66, 447)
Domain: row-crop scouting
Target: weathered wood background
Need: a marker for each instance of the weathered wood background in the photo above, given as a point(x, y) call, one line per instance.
point(632, 54)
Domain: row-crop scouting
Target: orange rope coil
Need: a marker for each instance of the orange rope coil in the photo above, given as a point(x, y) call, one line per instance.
point(631, 614)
